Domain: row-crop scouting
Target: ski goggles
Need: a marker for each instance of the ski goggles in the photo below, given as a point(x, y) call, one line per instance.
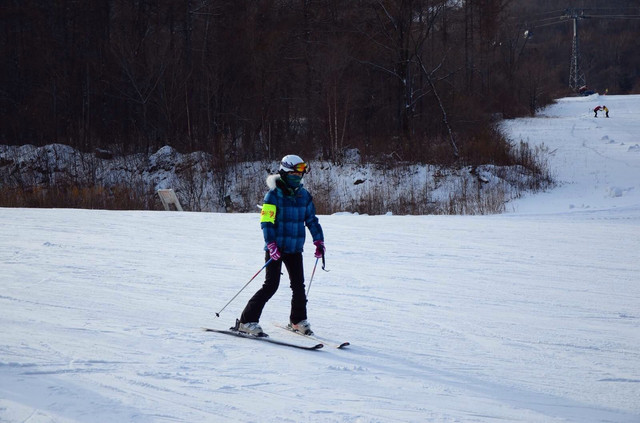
point(299, 168)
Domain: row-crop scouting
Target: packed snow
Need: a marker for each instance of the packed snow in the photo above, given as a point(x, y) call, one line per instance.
point(528, 316)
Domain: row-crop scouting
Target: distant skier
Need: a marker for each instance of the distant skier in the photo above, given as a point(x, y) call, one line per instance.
point(606, 111)
point(596, 110)
point(288, 208)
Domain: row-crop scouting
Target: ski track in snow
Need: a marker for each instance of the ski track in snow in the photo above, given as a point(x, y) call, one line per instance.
point(530, 316)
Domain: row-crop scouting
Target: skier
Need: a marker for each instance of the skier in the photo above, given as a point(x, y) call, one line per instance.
point(287, 208)
point(606, 111)
point(596, 110)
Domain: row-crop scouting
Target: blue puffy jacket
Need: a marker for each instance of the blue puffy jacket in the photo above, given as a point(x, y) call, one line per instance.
point(285, 214)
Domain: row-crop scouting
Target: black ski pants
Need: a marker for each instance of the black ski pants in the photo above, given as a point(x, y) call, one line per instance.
point(293, 263)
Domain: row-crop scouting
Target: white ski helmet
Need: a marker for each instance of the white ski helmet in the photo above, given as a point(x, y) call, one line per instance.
point(292, 163)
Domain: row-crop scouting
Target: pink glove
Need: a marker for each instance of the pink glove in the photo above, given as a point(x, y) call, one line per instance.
point(273, 251)
point(319, 249)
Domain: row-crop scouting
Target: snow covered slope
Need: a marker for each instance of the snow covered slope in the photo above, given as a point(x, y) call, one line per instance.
point(531, 316)
point(596, 159)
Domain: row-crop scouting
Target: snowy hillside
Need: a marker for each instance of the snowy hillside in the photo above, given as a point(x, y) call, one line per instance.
point(59, 173)
point(529, 316)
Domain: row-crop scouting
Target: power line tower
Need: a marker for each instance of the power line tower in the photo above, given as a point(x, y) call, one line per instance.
point(576, 76)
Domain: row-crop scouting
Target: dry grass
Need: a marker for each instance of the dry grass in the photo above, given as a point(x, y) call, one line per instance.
point(73, 196)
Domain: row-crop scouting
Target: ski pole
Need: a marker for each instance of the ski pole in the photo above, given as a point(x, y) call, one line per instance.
point(245, 285)
point(312, 273)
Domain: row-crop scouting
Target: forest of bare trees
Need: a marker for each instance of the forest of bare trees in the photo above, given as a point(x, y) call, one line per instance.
point(419, 80)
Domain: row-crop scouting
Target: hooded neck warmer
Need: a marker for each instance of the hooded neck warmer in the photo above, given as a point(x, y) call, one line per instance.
point(292, 180)
point(288, 184)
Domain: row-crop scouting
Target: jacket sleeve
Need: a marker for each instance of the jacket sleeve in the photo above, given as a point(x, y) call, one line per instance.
point(311, 220)
point(268, 217)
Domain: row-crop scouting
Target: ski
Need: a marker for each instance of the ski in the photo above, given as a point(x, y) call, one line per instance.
point(338, 345)
point(265, 339)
